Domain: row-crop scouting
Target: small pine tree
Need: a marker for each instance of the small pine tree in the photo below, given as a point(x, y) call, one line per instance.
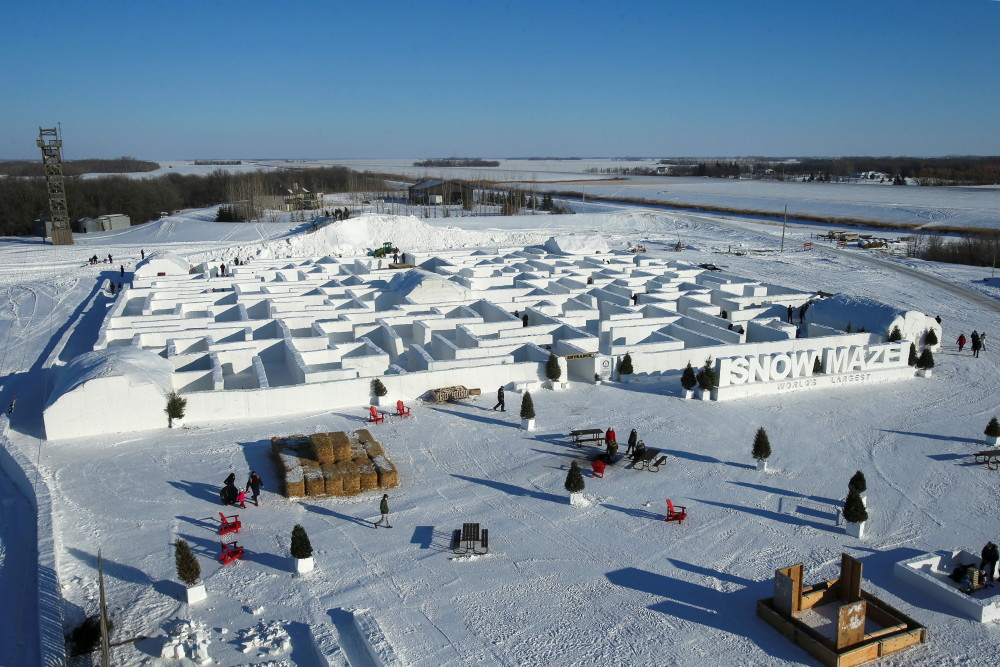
point(913, 358)
point(854, 507)
point(761, 445)
point(527, 406)
point(930, 338)
point(706, 376)
point(188, 569)
point(574, 479)
point(301, 546)
point(378, 387)
point(552, 370)
point(895, 335)
point(626, 366)
point(993, 428)
point(688, 379)
point(926, 360)
point(817, 367)
point(175, 408)
point(858, 482)
point(848, 329)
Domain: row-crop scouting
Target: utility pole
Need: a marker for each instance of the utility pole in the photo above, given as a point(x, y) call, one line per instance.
point(783, 225)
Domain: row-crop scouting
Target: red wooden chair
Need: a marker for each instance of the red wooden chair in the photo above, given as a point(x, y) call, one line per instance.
point(230, 552)
point(401, 410)
point(230, 524)
point(598, 467)
point(375, 415)
point(677, 514)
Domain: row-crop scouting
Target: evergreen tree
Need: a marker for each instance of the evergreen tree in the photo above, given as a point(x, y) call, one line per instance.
point(626, 366)
point(848, 329)
point(378, 387)
point(706, 376)
point(895, 335)
point(552, 370)
point(175, 408)
point(574, 479)
point(761, 445)
point(688, 379)
point(993, 428)
point(527, 406)
point(926, 360)
point(188, 569)
point(912, 359)
point(817, 367)
point(858, 482)
point(854, 507)
point(301, 546)
point(930, 338)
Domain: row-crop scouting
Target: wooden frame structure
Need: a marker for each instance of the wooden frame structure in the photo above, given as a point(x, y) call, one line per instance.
point(835, 621)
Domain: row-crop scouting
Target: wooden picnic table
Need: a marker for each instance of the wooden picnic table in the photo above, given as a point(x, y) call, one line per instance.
point(583, 435)
point(648, 460)
point(991, 457)
point(471, 537)
point(455, 393)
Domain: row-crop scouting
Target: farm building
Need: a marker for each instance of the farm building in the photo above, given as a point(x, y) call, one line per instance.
point(437, 191)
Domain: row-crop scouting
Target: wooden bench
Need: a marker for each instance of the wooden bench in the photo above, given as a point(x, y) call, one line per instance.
point(230, 524)
point(583, 435)
point(645, 461)
point(991, 457)
point(655, 465)
point(230, 552)
point(445, 394)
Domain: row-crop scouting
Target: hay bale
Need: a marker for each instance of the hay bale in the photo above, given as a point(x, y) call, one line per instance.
point(373, 449)
point(352, 480)
point(322, 445)
point(314, 484)
point(363, 435)
point(289, 461)
point(368, 476)
point(332, 479)
point(341, 446)
point(358, 452)
point(295, 483)
point(387, 475)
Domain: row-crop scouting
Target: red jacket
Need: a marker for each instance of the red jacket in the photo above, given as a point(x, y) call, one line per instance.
point(961, 340)
point(610, 436)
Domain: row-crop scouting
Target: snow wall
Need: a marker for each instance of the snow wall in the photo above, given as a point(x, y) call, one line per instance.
point(161, 262)
point(576, 244)
point(874, 316)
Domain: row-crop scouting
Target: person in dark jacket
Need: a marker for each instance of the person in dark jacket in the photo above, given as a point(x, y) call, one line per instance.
point(229, 490)
point(254, 485)
point(633, 438)
point(990, 556)
point(791, 313)
point(383, 507)
point(500, 403)
point(524, 319)
point(977, 344)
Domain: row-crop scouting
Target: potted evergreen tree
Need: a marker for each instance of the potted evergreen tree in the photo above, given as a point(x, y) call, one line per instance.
point(912, 358)
point(625, 369)
point(855, 514)
point(895, 335)
point(925, 363)
point(527, 412)
point(379, 392)
point(553, 372)
point(175, 409)
point(574, 483)
point(992, 432)
point(859, 484)
point(931, 338)
point(302, 550)
point(689, 381)
point(706, 380)
point(189, 572)
point(761, 449)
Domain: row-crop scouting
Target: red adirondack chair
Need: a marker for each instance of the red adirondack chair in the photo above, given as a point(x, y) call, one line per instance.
point(375, 415)
point(230, 524)
point(598, 467)
point(401, 410)
point(230, 552)
point(677, 514)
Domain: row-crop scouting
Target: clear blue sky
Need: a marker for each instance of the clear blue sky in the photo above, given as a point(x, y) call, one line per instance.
point(179, 80)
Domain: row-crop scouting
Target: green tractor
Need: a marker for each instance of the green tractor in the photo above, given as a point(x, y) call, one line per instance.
point(386, 250)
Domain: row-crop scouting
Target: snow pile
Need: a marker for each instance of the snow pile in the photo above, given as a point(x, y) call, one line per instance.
point(265, 639)
point(135, 365)
point(576, 244)
point(166, 263)
point(873, 316)
point(188, 639)
point(423, 287)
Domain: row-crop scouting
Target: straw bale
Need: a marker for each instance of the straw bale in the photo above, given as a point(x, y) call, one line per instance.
point(322, 445)
point(341, 446)
point(313, 480)
point(368, 477)
point(387, 475)
point(289, 461)
point(294, 483)
point(352, 480)
point(363, 435)
point(333, 479)
point(373, 448)
point(358, 451)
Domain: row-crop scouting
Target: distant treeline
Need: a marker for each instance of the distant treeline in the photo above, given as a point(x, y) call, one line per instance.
point(142, 199)
point(978, 249)
point(458, 162)
point(122, 165)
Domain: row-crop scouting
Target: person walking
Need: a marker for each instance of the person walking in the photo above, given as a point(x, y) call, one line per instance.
point(500, 403)
point(976, 344)
point(960, 341)
point(229, 491)
point(122, 269)
point(791, 314)
point(610, 436)
point(254, 485)
point(982, 341)
point(633, 438)
point(142, 254)
point(383, 507)
point(990, 556)
point(524, 319)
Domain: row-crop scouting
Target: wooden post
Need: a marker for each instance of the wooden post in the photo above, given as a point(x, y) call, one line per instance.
point(788, 589)
point(851, 624)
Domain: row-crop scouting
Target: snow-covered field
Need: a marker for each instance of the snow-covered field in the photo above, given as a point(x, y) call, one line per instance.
point(605, 584)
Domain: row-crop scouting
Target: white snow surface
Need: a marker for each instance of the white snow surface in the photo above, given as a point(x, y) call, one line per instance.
point(136, 365)
point(576, 244)
point(608, 583)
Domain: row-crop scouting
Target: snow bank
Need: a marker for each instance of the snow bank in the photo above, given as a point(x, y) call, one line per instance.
point(873, 316)
point(162, 262)
point(423, 287)
point(576, 244)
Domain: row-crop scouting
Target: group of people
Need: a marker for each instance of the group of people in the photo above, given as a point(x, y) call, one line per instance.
point(978, 342)
point(112, 289)
point(802, 312)
point(339, 214)
point(964, 573)
point(231, 495)
point(99, 260)
point(635, 449)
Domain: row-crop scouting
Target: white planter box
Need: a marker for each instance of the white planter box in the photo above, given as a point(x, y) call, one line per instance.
point(557, 386)
point(196, 593)
point(992, 442)
point(528, 424)
point(303, 565)
point(576, 499)
point(688, 394)
point(176, 423)
point(762, 465)
point(625, 379)
point(704, 395)
point(383, 401)
point(925, 372)
point(856, 529)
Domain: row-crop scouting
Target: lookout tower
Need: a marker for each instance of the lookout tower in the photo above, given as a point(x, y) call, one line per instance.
point(50, 141)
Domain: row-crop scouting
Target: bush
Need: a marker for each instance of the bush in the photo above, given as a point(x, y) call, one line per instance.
point(574, 479)
point(926, 360)
point(527, 406)
point(993, 428)
point(858, 482)
point(817, 367)
point(688, 379)
point(175, 407)
point(761, 445)
point(86, 637)
point(378, 387)
point(188, 569)
point(626, 366)
point(895, 335)
point(930, 338)
point(552, 370)
point(854, 508)
point(301, 546)
point(913, 358)
point(848, 329)
point(706, 376)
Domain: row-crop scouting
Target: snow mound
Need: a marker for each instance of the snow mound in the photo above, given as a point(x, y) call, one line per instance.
point(423, 287)
point(166, 263)
point(576, 244)
point(188, 639)
point(136, 365)
point(265, 639)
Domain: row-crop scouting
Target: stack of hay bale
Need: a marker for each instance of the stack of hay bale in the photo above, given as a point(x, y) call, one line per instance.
point(333, 464)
